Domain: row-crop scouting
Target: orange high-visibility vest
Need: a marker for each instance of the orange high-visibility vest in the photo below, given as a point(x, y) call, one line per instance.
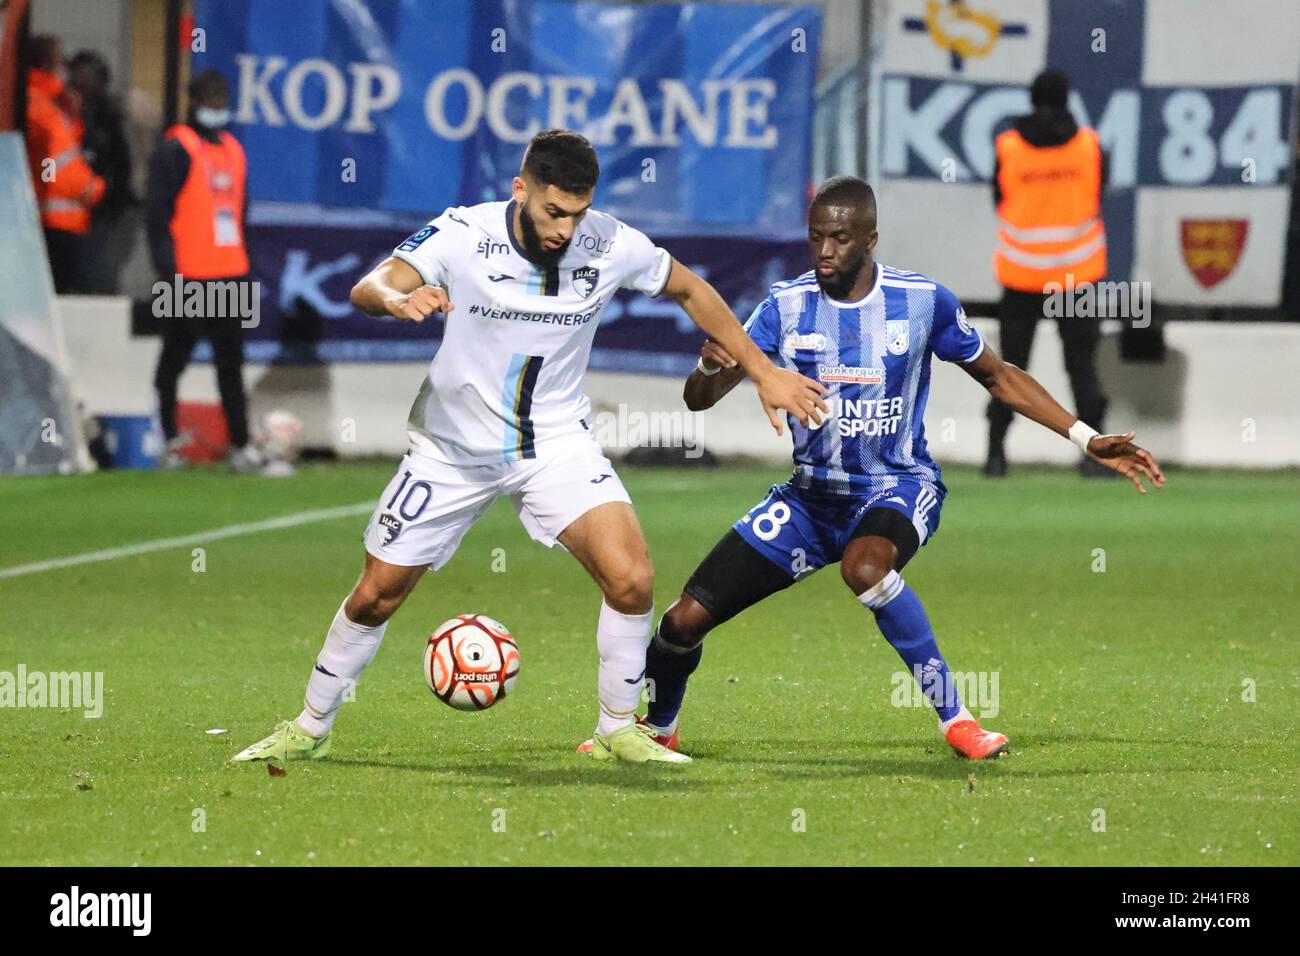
point(207, 223)
point(64, 198)
point(1050, 224)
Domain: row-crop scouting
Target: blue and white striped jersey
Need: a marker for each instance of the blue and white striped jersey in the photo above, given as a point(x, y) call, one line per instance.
point(874, 357)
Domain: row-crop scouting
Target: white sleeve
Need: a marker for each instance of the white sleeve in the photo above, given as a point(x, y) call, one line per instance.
point(430, 250)
point(645, 265)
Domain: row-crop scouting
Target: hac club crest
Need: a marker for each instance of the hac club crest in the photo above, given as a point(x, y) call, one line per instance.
point(896, 338)
point(389, 529)
point(584, 280)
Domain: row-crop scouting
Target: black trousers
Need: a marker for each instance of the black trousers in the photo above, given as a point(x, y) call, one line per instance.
point(1018, 317)
point(64, 250)
point(226, 335)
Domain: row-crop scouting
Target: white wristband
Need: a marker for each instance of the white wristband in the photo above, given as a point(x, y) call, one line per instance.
point(1081, 433)
point(699, 367)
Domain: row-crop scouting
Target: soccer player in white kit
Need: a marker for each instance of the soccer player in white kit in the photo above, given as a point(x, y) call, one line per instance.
point(502, 411)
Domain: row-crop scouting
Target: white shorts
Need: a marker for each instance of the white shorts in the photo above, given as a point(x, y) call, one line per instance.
point(429, 505)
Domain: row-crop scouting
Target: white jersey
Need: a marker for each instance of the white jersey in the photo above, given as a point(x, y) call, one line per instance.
point(508, 377)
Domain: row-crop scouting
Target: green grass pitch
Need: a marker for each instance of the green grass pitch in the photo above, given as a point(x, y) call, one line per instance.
point(1122, 690)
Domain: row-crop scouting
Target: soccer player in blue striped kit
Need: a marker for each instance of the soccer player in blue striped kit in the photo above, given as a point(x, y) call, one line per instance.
point(865, 491)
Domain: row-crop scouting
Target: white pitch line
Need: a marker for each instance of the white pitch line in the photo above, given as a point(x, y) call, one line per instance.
point(162, 544)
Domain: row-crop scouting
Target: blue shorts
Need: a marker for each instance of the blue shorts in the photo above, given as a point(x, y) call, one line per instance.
point(800, 531)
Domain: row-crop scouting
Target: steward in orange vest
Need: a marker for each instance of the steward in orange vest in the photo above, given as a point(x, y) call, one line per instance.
point(196, 210)
point(1049, 212)
point(198, 200)
point(1047, 186)
point(65, 185)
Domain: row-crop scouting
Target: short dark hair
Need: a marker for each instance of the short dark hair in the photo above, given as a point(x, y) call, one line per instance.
point(41, 51)
point(209, 81)
point(93, 60)
point(850, 191)
point(1050, 88)
point(563, 159)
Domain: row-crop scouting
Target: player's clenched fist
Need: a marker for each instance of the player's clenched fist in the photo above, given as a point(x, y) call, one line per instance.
point(418, 305)
point(714, 356)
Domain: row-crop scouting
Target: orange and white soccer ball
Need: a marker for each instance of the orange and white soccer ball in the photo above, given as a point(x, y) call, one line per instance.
point(471, 662)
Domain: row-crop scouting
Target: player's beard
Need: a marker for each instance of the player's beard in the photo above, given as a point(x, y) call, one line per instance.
point(538, 253)
point(840, 283)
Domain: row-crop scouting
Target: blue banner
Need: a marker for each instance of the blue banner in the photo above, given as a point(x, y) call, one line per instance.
point(305, 317)
point(701, 113)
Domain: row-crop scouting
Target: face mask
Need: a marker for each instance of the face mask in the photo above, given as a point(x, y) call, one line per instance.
point(210, 118)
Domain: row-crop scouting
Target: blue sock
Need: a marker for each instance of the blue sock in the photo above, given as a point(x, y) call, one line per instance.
point(666, 672)
point(901, 618)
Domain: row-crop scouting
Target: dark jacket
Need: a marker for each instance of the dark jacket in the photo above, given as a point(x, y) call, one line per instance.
point(106, 148)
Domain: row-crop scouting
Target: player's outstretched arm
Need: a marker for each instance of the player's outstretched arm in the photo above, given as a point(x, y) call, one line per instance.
point(394, 288)
point(778, 388)
point(716, 375)
point(1022, 392)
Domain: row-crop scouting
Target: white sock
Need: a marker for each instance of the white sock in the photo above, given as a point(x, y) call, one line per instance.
point(348, 649)
point(621, 640)
point(664, 731)
point(884, 591)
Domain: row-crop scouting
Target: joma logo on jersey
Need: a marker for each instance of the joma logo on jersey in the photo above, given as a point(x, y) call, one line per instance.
point(489, 248)
point(584, 280)
point(856, 374)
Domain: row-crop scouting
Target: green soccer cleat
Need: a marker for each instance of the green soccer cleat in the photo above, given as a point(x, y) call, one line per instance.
point(634, 743)
point(289, 742)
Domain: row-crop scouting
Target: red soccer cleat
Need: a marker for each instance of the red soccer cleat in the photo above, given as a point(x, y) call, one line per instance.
point(664, 740)
point(969, 740)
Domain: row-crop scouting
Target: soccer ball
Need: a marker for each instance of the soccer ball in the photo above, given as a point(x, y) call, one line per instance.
point(281, 442)
point(471, 662)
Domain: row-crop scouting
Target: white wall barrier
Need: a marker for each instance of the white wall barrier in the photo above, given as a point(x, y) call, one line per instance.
point(1226, 395)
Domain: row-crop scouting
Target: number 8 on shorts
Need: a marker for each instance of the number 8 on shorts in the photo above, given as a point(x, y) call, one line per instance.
point(767, 525)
